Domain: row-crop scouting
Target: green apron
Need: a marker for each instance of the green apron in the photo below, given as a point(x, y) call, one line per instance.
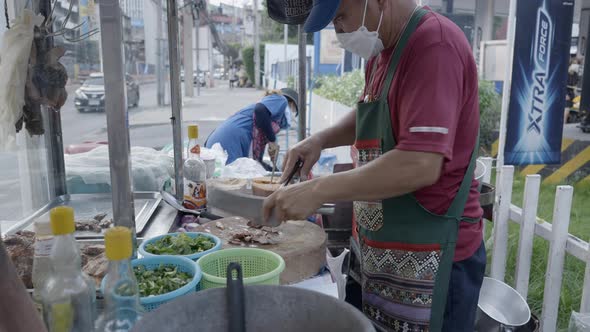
point(406, 251)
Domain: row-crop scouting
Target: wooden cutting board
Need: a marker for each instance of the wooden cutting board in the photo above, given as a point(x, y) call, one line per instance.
point(302, 245)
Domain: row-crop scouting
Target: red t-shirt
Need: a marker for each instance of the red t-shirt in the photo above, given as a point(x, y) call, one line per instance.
point(434, 108)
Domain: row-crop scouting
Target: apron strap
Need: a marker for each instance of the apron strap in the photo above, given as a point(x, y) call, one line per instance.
point(458, 205)
point(399, 49)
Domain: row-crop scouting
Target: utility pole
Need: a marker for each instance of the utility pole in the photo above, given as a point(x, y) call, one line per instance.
point(286, 50)
point(187, 32)
point(234, 18)
point(484, 24)
point(210, 47)
point(159, 58)
point(256, 47)
point(198, 26)
point(175, 95)
point(302, 83)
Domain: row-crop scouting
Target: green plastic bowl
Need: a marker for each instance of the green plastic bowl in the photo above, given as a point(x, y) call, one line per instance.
point(259, 267)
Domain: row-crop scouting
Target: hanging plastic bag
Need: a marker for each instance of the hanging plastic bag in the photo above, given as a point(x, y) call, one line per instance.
point(15, 51)
point(150, 168)
point(220, 156)
point(579, 322)
point(335, 267)
point(244, 168)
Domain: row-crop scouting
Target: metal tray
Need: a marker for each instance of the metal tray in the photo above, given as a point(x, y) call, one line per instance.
point(86, 206)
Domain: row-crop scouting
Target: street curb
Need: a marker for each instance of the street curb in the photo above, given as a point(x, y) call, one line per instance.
point(160, 123)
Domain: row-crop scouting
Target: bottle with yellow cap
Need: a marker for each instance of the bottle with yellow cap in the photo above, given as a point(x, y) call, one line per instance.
point(68, 297)
point(42, 266)
point(121, 293)
point(195, 173)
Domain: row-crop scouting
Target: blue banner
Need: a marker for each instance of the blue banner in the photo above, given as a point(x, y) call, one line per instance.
point(539, 73)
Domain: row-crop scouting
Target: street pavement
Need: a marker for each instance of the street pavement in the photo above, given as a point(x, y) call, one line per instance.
point(572, 131)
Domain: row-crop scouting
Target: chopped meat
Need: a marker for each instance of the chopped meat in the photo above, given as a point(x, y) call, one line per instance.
point(93, 225)
point(252, 235)
point(253, 225)
point(96, 267)
point(219, 225)
point(99, 217)
point(93, 250)
point(21, 248)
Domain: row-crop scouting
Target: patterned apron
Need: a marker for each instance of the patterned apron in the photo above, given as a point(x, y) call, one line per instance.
point(406, 251)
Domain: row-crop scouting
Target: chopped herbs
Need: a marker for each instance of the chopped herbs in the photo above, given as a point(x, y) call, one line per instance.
point(180, 244)
point(164, 279)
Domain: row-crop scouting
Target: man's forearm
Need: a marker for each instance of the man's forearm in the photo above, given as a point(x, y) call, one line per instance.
point(394, 174)
point(341, 134)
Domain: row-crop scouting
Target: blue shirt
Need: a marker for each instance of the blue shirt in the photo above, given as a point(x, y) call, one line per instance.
point(235, 134)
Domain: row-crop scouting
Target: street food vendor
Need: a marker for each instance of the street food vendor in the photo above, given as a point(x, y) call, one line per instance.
point(255, 126)
point(417, 217)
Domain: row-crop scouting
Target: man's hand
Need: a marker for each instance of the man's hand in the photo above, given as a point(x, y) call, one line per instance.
point(294, 202)
point(308, 151)
point(273, 151)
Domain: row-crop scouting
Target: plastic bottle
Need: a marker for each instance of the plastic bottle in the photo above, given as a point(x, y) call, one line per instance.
point(67, 296)
point(121, 293)
point(195, 174)
point(42, 266)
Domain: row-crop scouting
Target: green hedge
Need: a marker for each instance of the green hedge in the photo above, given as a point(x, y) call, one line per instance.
point(248, 56)
point(346, 89)
point(490, 106)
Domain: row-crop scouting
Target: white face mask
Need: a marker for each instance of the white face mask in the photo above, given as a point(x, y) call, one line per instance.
point(362, 42)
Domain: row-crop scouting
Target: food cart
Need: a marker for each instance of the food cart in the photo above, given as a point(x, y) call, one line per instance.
point(298, 247)
point(303, 244)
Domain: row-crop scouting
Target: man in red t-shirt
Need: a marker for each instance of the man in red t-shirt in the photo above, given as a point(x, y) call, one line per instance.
point(433, 107)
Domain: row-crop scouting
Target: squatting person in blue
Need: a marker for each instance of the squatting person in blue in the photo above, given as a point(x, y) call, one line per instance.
point(246, 133)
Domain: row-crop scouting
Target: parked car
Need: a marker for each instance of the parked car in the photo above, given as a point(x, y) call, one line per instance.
point(90, 96)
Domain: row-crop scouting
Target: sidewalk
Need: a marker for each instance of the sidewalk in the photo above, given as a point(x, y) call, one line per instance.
point(214, 104)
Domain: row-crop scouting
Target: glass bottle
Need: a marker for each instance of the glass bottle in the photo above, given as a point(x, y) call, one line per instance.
point(67, 296)
point(195, 173)
point(121, 293)
point(42, 266)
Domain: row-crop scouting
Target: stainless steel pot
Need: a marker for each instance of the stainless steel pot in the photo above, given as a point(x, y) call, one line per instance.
point(267, 309)
point(487, 195)
point(480, 172)
point(500, 308)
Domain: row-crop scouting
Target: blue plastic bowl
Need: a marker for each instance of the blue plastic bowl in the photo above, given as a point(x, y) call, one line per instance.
point(183, 264)
point(194, 257)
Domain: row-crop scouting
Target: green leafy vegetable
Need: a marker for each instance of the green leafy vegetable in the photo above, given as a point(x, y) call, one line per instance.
point(161, 280)
point(180, 244)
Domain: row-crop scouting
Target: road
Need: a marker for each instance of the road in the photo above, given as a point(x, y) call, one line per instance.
point(91, 126)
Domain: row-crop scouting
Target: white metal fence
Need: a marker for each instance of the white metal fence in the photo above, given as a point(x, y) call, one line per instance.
point(561, 242)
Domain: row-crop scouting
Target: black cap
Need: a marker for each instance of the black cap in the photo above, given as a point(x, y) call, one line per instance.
point(291, 95)
point(321, 14)
point(289, 11)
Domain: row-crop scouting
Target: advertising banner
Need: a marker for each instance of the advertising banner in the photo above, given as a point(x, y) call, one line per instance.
point(539, 73)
